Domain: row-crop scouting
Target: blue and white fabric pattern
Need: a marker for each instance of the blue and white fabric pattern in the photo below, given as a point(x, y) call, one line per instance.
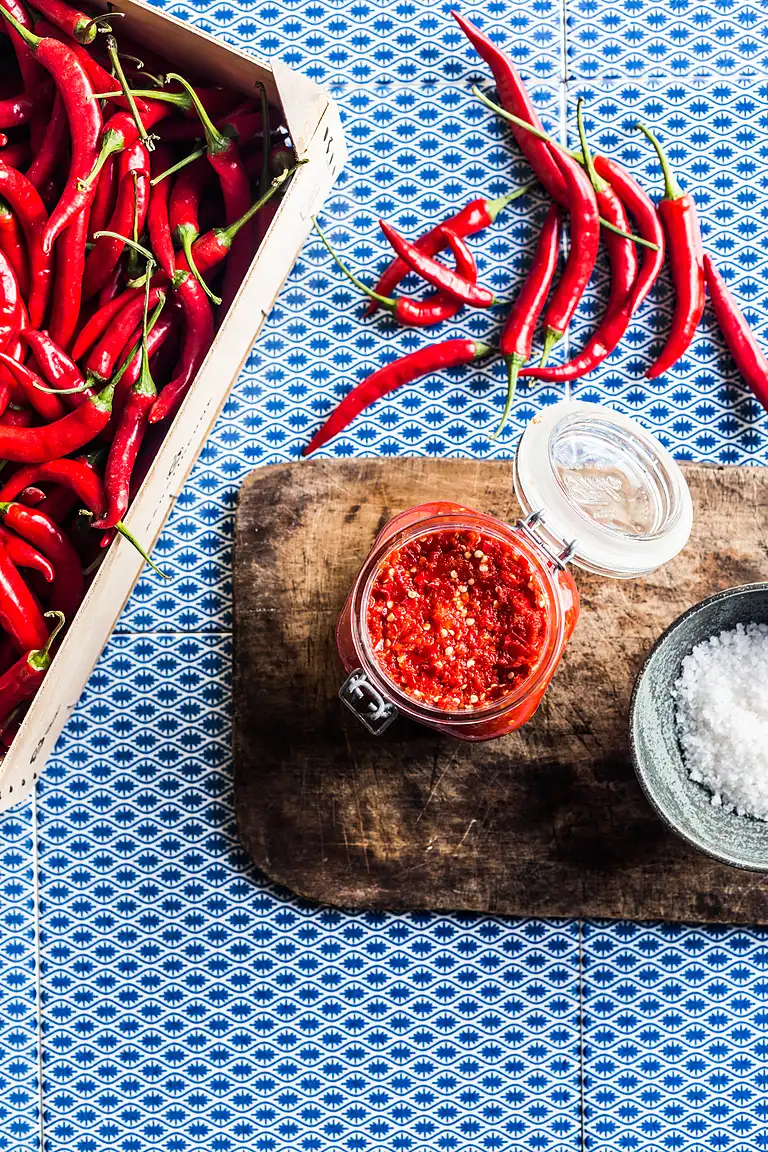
point(155, 991)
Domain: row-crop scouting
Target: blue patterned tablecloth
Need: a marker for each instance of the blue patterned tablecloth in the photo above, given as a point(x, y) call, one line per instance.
point(155, 992)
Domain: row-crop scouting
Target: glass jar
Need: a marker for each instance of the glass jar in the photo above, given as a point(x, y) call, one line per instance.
point(596, 490)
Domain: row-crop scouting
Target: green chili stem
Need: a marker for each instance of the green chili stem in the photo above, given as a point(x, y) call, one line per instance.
point(597, 182)
point(131, 244)
point(215, 141)
point(196, 155)
point(672, 190)
point(114, 57)
point(385, 301)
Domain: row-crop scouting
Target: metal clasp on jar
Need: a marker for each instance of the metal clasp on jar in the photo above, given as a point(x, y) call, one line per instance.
point(528, 526)
point(367, 703)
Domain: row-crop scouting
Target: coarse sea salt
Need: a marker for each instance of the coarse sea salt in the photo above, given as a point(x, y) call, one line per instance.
point(722, 718)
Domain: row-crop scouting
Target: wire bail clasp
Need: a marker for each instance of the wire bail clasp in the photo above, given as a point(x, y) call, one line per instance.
point(528, 526)
point(367, 703)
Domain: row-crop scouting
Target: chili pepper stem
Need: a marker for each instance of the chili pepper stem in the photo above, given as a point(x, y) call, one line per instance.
point(99, 23)
point(551, 337)
point(215, 141)
point(196, 155)
point(550, 140)
point(514, 364)
point(131, 244)
point(41, 658)
point(187, 239)
point(497, 206)
point(129, 536)
point(384, 301)
point(672, 190)
point(144, 136)
point(121, 528)
point(232, 229)
point(29, 38)
point(597, 182)
point(111, 142)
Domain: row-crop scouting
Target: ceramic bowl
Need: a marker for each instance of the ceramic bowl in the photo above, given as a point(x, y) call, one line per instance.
point(685, 806)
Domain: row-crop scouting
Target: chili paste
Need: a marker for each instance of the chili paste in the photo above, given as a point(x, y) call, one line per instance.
point(456, 619)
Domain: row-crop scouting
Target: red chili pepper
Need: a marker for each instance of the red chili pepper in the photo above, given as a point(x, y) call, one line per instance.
point(125, 446)
point(739, 337)
point(415, 313)
point(18, 418)
point(46, 403)
point(198, 337)
point(643, 211)
point(517, 336)
point(624, 276)
point(16, 110)
point(16, 155)
point(103, 357)
point(31, 73)
point(84, 116)
point(158, 219)
point(582, 254)
point(606, 338)
point(43, 533)
point(13, 248)
point(224, 157)
point(25, 201)
point(686, 261)
point(69, 20)
point(76, 476)
point(103, 198)
point(49, 442)
point(59, 370)
point(473, 218)
point(437, 274)
point(212, 247)
point(101, 80)
point(49, 156)
point(22, 680)
point(23, 555)
point(515, 99)
point(157, 335)
point(70, 268)
point(184, 209)
point(19, 614)
point(403, 371)
point(127, 219)
point(9, 302)
point(98, 324)
point(246, 121)
point(121, 131)
point(57, 504)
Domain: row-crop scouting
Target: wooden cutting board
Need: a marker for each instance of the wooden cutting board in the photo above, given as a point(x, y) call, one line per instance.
point(548, 821)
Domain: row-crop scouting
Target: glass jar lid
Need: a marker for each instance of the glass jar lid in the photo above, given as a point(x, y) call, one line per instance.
point(607, 493)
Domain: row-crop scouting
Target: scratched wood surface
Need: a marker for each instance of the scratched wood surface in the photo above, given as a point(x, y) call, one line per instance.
point(548, 821)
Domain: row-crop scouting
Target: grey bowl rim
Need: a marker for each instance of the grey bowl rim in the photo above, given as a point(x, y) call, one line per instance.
point(689, 838)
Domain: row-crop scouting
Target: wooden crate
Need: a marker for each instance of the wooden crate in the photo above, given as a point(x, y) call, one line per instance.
point(315, 129)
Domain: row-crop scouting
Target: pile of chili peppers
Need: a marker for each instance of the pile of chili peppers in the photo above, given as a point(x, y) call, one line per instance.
point(601, 202)
point(131, 204)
